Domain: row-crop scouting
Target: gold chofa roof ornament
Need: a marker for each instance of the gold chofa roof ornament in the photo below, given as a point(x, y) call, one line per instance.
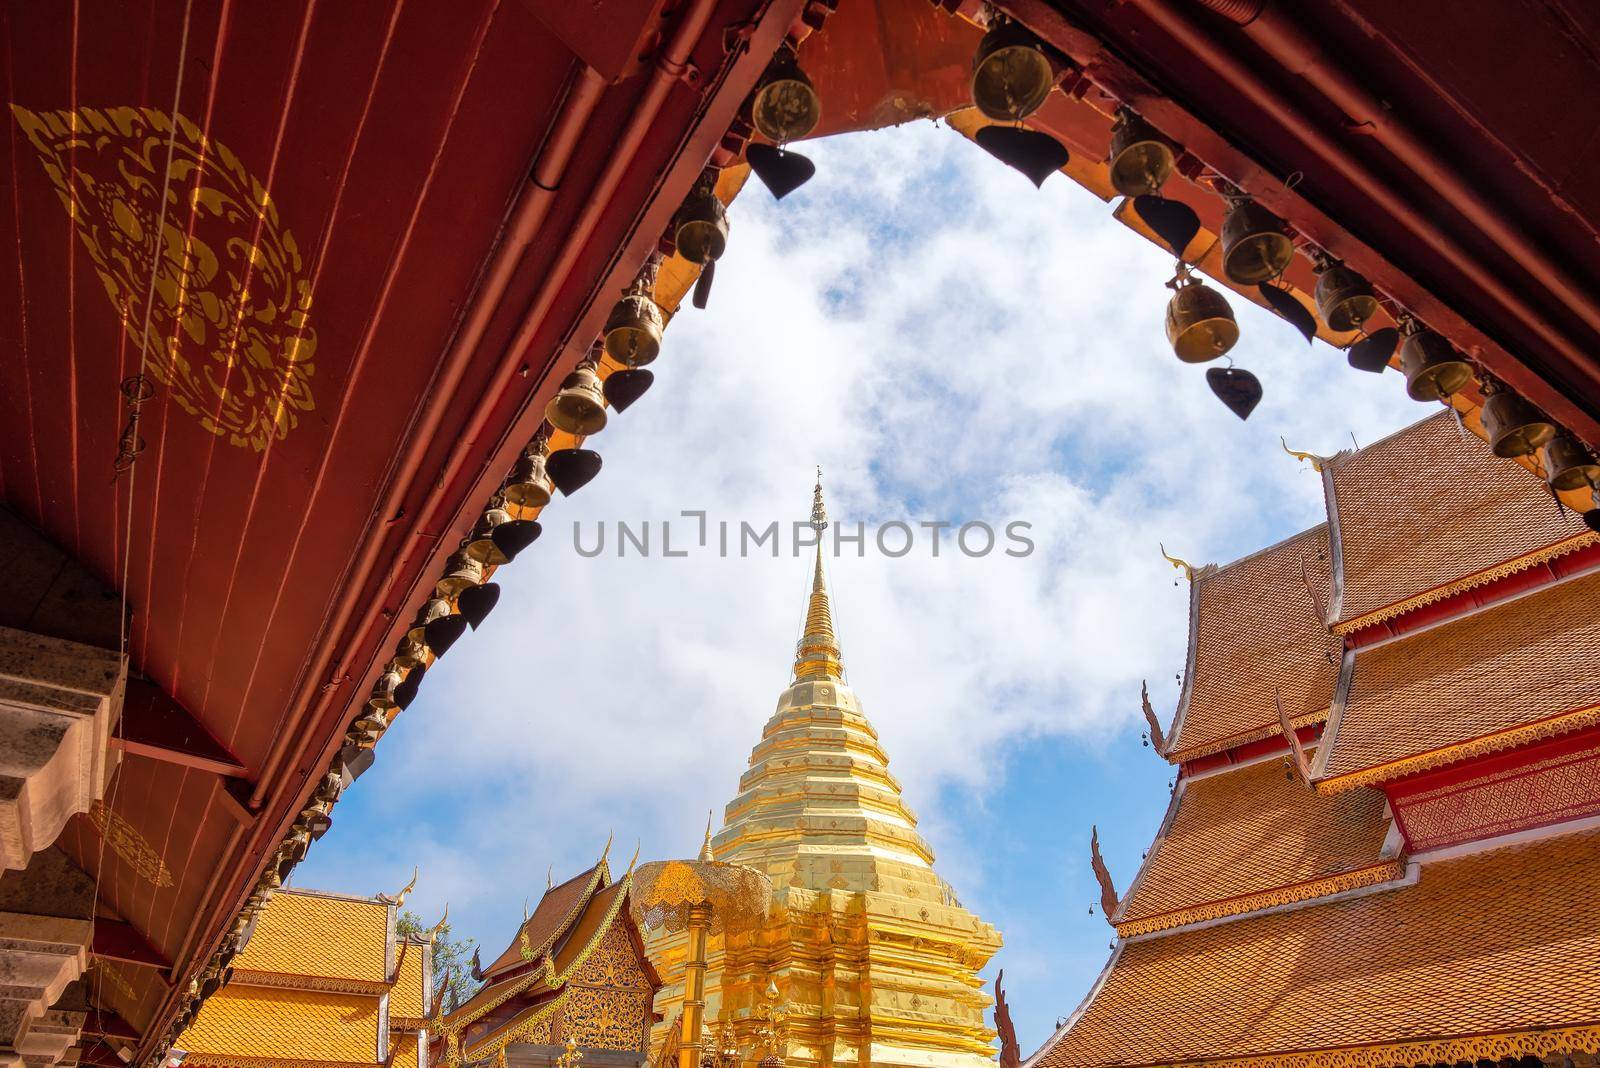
point(817, 654)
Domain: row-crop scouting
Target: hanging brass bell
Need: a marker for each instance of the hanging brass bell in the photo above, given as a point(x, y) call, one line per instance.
point(1254, 247)
point(1200, 325)
point(1432, 366)
point(1344, 299)
point(480, 544)
point(633, 329)
point(1515, 427)
point(786, 105)
point(580, 407)
point(408, 653)
point(1011, 75)
point(701, 231)
point(1569, 465)
point(1141, 161)
point(383, 690)
point(436, 608)
point(530, 485)
point(460, 571)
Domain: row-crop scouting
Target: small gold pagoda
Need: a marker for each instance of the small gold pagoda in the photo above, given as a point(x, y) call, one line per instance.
point(876, 960)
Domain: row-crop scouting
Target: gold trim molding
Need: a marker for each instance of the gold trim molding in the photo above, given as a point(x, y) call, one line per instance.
point(1286, 895)
point(288, 981)
point(1481, 578)
point(1584, 1038)
point(1511, 738)
point(1233, 741)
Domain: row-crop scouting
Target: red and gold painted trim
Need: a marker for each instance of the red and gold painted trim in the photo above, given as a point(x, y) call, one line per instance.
point(1248, 746)
point(1584, 1038)
point(1553, 782)
point(1523, 734)
point(1514, 576)
point(1375, 875)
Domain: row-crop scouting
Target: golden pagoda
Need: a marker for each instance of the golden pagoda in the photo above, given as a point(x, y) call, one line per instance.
point(875, 958)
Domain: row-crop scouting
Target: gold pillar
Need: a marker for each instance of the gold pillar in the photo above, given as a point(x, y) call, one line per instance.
point(694, 987)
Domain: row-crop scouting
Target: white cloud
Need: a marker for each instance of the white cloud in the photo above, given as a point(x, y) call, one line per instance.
point(947, 343)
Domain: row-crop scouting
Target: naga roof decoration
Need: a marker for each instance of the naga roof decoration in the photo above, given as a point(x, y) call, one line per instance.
point(1250, 837)
point(1245, 645)
point(1300, 987)
point(1491, 520)
point(1516, 672)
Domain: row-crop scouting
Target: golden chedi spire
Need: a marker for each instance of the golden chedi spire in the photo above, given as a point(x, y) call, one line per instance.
point(817, 654)
point(877, 960)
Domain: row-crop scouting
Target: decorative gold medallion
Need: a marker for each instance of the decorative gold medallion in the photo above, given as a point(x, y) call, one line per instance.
point(216, 275)
point(126, 842)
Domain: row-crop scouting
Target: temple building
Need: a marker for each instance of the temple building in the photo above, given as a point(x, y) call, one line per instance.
point(574, 981)
point(876, 958)
point(325, 981)
point(1383, 843)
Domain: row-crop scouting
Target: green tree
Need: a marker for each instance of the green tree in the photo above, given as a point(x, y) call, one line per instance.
point(452, 958)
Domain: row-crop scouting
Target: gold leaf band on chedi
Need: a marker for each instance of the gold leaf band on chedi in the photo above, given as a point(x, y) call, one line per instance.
point(228, 310)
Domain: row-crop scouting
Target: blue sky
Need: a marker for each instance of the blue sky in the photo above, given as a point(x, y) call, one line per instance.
point(948, 344)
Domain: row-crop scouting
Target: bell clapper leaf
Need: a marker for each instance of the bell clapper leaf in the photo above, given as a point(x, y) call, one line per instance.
point(1171, 220)
point(1237, 388)
point(1282, 301)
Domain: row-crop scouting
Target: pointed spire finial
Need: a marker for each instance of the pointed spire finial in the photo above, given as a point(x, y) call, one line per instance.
point(549, 883)
point(705, 847)
point(817, 655)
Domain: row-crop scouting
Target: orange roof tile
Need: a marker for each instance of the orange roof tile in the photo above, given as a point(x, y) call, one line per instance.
point(1484, 944)
point(1252, 630)
point(408, 999)
point(284, 1025)
point(1482, 679)
point(1462, 511)
point(322, 935)
point(1244, 832)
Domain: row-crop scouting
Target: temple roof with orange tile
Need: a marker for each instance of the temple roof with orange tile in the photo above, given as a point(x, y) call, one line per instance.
point(1509, 674)
point(1253, 630)
point(557, 910)
point(1429, 511)
point(1239, 837)
point(284, 1026)
point(1484, 945)
point(351, 936)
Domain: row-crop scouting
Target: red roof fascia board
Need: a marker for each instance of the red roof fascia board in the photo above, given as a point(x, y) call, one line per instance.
point(1459, 604)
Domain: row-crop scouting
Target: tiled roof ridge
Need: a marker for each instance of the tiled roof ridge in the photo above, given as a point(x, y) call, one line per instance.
point(1202, 576)
point(1233, 741)
point(1244, 906)
point(334, 895)
point(1510, 738)
point(594, 879)
point(217, 1060)
point(1483, 577)
point(301, 981)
